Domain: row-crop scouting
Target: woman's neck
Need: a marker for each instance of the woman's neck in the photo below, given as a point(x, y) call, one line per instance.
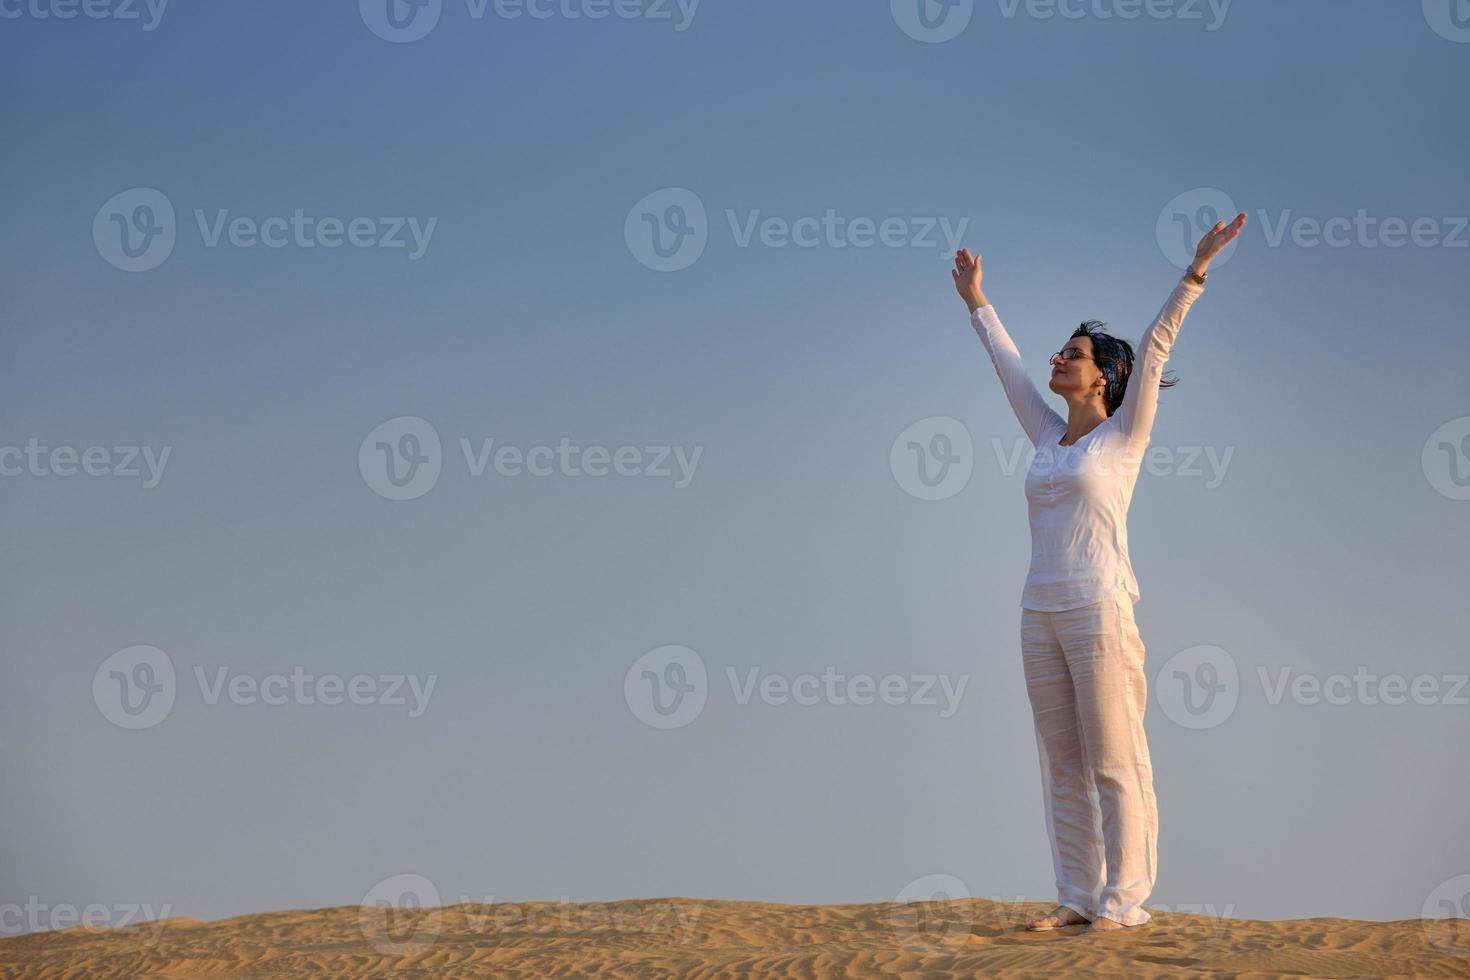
point(1082, 419)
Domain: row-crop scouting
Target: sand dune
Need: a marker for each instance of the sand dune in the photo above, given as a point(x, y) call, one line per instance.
point(689, 938)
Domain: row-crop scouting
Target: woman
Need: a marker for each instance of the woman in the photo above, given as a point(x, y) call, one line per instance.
point(1080, 647)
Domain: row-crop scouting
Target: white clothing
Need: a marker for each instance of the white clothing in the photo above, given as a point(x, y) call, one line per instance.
point(1078, 495)
point(1088, 690)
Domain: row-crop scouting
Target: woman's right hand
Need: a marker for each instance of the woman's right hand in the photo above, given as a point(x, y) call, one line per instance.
point(967, 278)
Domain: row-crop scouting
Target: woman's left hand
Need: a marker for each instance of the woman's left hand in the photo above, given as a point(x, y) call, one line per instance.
point(1215, 239)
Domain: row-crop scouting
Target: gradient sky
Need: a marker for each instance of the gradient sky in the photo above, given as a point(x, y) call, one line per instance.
point(1329, 545)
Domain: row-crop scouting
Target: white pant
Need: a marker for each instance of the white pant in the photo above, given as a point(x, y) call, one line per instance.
point(1085, 678)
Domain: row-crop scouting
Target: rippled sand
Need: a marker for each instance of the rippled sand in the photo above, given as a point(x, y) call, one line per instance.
point(688, 938)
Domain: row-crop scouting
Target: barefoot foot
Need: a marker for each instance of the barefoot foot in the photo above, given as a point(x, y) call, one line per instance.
point(1056, 919)
point(1104, 924)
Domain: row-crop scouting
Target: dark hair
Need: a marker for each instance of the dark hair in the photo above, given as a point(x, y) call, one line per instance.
point(1114, 357)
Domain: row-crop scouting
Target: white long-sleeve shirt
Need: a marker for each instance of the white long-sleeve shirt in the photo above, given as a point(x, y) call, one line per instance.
point(1078, 495)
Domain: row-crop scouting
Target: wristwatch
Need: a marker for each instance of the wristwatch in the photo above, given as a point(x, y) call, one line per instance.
point(1197, 277)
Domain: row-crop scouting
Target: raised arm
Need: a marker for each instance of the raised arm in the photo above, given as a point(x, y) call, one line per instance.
point(1026, 400)
point(1135, 415)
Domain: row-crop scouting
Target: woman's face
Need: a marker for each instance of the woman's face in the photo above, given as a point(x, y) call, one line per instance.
point(1078, 376)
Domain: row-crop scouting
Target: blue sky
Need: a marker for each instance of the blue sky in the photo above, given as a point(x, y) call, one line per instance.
point(1326, 540)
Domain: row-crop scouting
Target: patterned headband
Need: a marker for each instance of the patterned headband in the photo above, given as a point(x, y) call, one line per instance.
point(1114, 360)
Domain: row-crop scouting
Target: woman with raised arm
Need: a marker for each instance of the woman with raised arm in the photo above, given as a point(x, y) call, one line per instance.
point(1080, 647)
